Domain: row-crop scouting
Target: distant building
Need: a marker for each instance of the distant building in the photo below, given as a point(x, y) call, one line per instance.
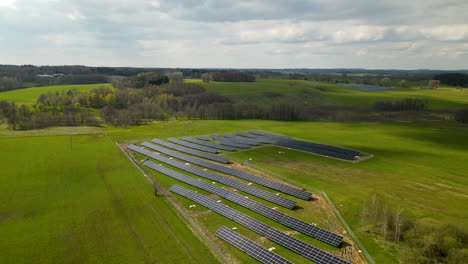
point(51, 75)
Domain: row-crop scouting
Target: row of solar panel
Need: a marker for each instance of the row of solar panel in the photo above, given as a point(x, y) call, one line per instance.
point(321, 149)
point(266, 195)
point(306, 143)
point(271, 233)
point(208, 144)
point(240, 174)
point(194, 146)
point(303, 227)
point(251, 248)
point(292, 145)
point(191, 151)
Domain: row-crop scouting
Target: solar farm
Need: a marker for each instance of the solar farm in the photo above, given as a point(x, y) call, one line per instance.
point(266, 209)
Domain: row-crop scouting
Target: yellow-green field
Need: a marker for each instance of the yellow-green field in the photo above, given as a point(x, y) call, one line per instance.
point(302, 92)
point(28, 96)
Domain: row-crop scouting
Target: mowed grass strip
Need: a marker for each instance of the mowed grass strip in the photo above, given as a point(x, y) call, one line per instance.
point(85, 203)
point(312, 93)
point(28, 96)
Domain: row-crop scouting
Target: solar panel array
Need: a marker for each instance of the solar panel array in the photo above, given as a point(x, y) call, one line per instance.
point(240, 174)
point(242, 140)
point(322, 149)
point(189, 151)
point(227, 142)
point(259, 227)
point(208, 144)
point(248, 246)
point(203, 138)
point(266, 195)
point(194, 146)
point(261, 139)
point(289, 221)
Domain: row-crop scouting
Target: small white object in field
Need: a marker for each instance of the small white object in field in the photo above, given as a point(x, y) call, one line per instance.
point(249, 183)
point(359, 251)
point(341, 205)
point(192, 206)
point(274, 208)
point(277, 193)
point(188, 164)
point(234, 228)
point(344, 232)
point(213, 182)
point(246, 197)
point(218, 201)
point(204, 169)
point(170, 157)
point(271, 249)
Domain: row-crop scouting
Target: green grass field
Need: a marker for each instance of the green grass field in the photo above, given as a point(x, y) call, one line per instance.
point(90, 205)
point(28, 96)
point(85, 205)
point(306, 93)
point(418, 166)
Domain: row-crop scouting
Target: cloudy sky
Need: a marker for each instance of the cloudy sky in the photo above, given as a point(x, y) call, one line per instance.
point(386, 34)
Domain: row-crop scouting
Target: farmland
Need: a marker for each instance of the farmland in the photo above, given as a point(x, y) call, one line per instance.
point(28, 96)
point(320, 93)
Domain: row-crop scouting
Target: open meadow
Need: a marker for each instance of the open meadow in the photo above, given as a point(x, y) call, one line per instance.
point(28, 96)
point(85, 203)
point(309, 93)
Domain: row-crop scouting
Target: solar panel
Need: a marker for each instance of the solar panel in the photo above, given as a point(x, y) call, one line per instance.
point(240, 174)
point(276, 199)
point(194, 146)
point(203, 138)
point(227, 142)
point(208, 144)
point(303, 227)
point(241, 140)
point(271, 233)
point(262, 133)
point(251, 248)
point(190, 151)
point(261, 139)
point(322, 149)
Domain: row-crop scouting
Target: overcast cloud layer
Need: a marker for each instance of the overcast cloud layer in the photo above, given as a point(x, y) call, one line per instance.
point(236, 34)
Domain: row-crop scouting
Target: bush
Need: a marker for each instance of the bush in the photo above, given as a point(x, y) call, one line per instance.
point(462, 116)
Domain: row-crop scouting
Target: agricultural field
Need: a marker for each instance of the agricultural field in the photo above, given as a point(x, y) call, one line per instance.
point(28, 96)
point(84, 202)
point(310, 93)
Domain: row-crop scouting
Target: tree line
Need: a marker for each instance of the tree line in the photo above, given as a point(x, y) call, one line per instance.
point(421, 242)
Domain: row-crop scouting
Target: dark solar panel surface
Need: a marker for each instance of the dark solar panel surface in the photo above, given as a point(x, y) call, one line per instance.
point(208, 144)
point(240, 174)
point(303, 227)
point(242, 140)
point(266, 195)
point(203, 138)
point(194, 146)
point(190, 151)
point(322, 149)
point(198, 183)
point(248, 246)
point(259, 227)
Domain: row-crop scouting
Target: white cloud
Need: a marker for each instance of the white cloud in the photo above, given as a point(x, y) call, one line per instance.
point(243, 33)
point(8, 4)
